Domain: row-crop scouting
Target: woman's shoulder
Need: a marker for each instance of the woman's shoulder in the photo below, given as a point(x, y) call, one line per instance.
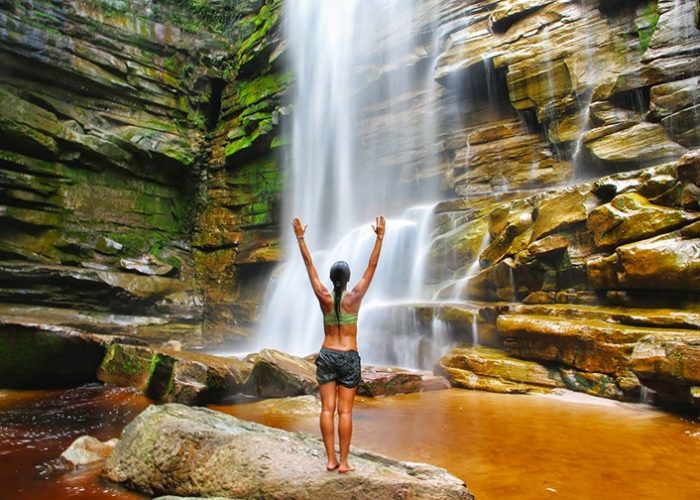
point(350, 301)
point(326, 300)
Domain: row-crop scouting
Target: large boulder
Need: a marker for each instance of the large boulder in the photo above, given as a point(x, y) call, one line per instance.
point(667, 262)
point(640, 143)
point(187, 451)
point(631, 217)
point(560, 210)
point(590, 345)
point(127, 366)
point(276, 374)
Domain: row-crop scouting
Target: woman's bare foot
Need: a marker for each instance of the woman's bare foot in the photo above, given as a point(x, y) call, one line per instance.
point(331, 466)
point(345, 467)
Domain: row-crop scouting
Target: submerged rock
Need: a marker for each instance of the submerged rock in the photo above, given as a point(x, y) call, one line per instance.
point(198, 452)
point(84, 452)
point(88, 451)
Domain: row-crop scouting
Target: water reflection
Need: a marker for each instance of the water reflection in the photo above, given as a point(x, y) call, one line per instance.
point(525, 447)
point(502, 446)
point(36, 426)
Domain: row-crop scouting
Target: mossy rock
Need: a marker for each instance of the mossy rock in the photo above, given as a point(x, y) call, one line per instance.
point(128, 366)
point(34, 356)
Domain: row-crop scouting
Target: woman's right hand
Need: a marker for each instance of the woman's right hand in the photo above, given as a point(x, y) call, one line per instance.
point(299, 230)
point(380, 227)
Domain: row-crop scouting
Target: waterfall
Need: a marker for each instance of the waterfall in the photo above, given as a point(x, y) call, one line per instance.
point(363, 129)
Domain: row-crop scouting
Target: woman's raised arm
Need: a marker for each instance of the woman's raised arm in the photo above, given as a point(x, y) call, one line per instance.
point(361, 287)
point(320, 290)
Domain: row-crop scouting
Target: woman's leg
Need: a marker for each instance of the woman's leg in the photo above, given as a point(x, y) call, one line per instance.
point(328, 400)
point(346, 398)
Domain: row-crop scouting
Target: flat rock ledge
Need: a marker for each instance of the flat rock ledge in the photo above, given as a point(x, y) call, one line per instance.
point(173, 449)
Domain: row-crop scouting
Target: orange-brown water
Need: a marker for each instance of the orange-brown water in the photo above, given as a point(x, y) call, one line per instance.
point(526, 447)
point(36, 426)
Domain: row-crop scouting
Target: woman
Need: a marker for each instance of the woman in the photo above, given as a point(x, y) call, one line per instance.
point(338, 363)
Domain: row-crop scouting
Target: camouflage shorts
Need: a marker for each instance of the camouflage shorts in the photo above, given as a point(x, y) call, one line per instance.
point(341, 366)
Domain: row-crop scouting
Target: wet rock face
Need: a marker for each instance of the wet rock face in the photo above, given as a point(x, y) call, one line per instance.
point(209, 454)
point(629, 239)
point(670, 365)
point(104, 109)
point(583, 74)
point(631, 231)
point(102, 115)
point(140, 180)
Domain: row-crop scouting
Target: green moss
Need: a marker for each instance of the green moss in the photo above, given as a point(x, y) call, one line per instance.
point(234, 147)
point(217, 17)
point(187, 71)
point(267, 18)
point(129, 367)
point(170, 64)
point(154, 363)
point(279, 141)
point(197, 120)
point(23, 350)
point(46, 17)
point(160, 383)
point(646, 23)
point(161, 253)
point(258, 185)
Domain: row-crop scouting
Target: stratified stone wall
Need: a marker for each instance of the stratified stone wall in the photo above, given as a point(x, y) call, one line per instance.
point(236, 235)
point(575, 240)
point(594, 88)
point(126, 129)
point(138, 165)
point(140, 148)
point(102, 117)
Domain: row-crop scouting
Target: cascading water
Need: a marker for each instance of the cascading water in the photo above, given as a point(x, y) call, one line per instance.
point(363, 69)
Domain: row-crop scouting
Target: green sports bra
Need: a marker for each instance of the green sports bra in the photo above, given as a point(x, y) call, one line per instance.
point(346, 318)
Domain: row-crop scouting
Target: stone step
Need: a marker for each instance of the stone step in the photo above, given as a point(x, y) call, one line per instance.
point(492, 370)
point(592, 345)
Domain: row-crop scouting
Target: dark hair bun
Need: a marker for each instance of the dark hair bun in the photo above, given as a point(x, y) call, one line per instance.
point(340, 273)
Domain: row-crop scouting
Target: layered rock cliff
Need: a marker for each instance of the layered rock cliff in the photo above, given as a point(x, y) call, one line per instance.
point(603, 99)
point(563, 130)
point(141, 178)
point(131, 161)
